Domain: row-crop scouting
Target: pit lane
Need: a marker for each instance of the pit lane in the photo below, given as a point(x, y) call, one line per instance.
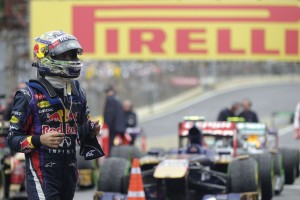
point(162, 131)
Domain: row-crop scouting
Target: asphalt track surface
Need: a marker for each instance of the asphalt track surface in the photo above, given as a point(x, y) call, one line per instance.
point(266, 99)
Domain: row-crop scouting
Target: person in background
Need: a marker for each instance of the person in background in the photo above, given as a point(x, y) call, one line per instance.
point(247, 113)
point(130, 115)
point(113, 115)
point(297, 121)
point(229, 112)
point(130, 118)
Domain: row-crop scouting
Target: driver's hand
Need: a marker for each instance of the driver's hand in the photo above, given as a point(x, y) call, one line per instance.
point(52, 139)
point(96, 129)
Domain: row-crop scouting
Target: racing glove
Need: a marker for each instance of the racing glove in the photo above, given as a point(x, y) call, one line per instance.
point(89, 147)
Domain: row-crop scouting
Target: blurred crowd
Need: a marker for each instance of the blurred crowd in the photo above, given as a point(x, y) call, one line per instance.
point(149, 82)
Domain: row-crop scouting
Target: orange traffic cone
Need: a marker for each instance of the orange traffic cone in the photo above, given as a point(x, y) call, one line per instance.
point(136, 188)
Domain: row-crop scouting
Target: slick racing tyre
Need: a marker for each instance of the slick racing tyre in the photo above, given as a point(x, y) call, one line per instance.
point(278, 170)
point(243, 176)
point(85, 172)
point(289, 165)
point(266, 173)
point(2, 184)
point(84, 164)
point(127, 152)
point(112, 174)
point(297, 154)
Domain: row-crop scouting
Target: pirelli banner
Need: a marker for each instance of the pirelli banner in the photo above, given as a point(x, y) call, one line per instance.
point(169, 29)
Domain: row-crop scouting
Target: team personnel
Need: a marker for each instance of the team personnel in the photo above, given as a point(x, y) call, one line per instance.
point(131, 120)
point(113, 115)
point(130, 115)
point(247, 113)
point(229, 112)
point(297, 121)
point(49, 116)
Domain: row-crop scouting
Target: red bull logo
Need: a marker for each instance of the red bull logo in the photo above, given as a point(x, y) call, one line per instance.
point(25, 146)
point(72, 116)
point(69, 129)
point(58, 116)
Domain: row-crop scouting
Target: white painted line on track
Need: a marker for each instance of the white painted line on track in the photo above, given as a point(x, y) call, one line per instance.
point(208, 95)
point(286, 130)
point(292, 187)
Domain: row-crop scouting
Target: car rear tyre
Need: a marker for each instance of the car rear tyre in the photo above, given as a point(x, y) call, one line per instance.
point(289, 165)
point(84, 164)
point(278, 170)
point(112, 173)
point(297, 152)
point(243, 176)
point(2, 184)
point(266, 173)
point(86, 168)
point(127, 152)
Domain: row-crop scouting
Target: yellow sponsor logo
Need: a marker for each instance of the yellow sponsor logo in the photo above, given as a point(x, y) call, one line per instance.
point(14, 120)
point(43, 104)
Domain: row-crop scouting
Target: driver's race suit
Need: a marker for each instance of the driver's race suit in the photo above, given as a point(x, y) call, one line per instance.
point(50, 173)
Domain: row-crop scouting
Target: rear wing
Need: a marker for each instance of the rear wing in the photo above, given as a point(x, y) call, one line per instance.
point(252, 128)
point(248, 130)
point(227, 129)
point(208, 128)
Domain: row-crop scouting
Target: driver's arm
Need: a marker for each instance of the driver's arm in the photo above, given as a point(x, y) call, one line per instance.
point(19, 134)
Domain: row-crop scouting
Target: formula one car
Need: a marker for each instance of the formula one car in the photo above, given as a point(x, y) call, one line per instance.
point(276, 166)
point(258, 139)
point(219, 136)
point(229, 140)
point(188, 172)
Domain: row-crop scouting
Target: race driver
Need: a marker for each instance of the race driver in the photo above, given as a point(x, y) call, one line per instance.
point(49, 116)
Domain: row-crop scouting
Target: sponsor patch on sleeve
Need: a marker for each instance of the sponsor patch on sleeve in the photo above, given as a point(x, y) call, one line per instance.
point(26, 145)
point(14, 120)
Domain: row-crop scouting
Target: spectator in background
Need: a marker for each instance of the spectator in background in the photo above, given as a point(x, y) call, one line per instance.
point(130, 118)
point(297, 121)
point(130, 115)
point(247, 113)
point(229, 112)
point(113, 115)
